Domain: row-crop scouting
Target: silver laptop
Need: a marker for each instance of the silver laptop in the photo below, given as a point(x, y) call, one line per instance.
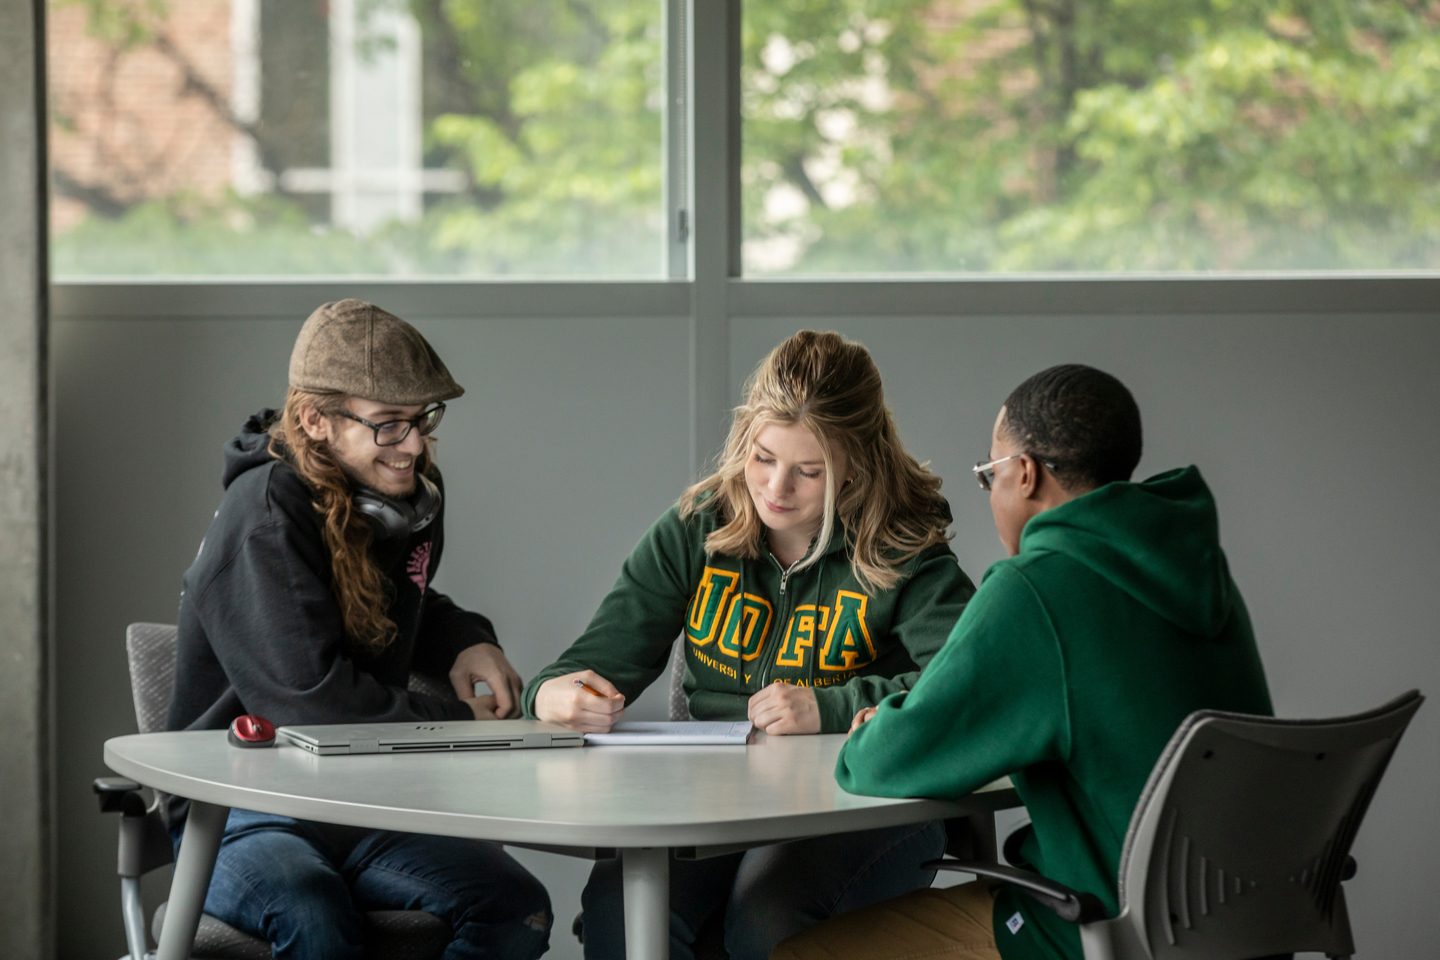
point(428, 735)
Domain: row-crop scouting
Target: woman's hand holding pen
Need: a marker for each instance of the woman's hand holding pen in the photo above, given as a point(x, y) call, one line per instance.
point(583, 701)
point(784, 708)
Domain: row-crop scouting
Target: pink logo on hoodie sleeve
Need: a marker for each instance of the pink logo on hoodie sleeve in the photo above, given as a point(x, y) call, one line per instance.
point(418, 566)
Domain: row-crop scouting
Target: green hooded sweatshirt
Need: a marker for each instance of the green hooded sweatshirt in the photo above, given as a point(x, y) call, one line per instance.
point(747, 624)
point(1069, 671)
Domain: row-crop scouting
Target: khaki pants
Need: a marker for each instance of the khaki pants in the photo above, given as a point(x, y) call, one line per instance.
point(953, 923)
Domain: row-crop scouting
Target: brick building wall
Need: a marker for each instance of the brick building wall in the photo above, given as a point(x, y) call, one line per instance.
point(132, 122)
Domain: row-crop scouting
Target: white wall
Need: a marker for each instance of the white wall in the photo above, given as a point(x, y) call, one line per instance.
point(1315, 431)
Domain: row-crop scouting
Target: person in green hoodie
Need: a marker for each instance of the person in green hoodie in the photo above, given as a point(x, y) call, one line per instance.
point(808, 577)
point(1114, 617)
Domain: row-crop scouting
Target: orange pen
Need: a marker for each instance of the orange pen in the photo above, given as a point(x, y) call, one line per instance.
point(587, 688)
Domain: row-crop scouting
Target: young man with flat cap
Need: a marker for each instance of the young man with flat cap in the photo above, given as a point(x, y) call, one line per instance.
point(1113, 618)
point(310, 601)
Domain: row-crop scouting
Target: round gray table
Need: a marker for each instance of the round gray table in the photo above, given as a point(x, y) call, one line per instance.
point(639, 802)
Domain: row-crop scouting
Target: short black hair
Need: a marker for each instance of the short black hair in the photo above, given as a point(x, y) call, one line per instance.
point(1080, 422)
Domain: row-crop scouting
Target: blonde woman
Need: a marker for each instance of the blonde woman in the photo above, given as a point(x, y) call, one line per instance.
point(810, 576)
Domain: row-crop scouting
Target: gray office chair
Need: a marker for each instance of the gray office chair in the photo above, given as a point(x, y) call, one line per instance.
point(145, 843)
point(1239, 842)
point(679, 705)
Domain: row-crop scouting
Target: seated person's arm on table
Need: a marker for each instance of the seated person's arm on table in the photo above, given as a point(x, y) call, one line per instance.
point(991, 702)
point(931, 599)
point(627, 644)
point(272, 622)
point(460, 645)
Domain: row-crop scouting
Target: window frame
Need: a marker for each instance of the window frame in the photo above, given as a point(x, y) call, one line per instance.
point(702, 283)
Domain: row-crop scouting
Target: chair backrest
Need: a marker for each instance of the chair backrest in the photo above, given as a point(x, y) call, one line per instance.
point(679, 703)
point(1241, 837)
point(150, 653)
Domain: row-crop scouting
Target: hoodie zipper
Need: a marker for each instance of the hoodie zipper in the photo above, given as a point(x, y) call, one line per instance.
point(781, 619)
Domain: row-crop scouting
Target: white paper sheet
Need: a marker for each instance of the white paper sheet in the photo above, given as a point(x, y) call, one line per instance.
point(673, 732)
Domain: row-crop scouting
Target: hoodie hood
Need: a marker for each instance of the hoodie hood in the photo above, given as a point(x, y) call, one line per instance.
point(250, 448)
point(1158, 541)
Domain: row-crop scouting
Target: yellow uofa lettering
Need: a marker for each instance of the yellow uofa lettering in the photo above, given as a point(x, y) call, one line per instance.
point(747, 623)
point(710, 598)
point(714, 664)
point(800, 634)
point(847, 644)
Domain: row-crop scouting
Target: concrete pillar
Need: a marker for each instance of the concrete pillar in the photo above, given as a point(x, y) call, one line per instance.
point(26, 895)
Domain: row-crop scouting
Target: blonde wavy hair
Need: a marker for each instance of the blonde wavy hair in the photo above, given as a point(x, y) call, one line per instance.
point(890, 508)
point(360, 588)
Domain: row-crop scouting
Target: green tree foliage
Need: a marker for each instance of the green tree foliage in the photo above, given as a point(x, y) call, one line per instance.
point(879, 136)
point(550, 108)
point(557, 123)
point(1110, 135)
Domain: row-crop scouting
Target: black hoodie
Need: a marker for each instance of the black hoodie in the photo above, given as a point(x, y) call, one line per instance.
point(260, 629)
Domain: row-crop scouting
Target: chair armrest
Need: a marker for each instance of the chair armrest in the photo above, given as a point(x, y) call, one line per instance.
point(1067, 904)
point(118, 795)
point(1011, 849)
point(144, 842)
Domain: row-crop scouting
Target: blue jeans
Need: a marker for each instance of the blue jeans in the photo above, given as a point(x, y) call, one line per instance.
point(768, 893)
point(305, 887)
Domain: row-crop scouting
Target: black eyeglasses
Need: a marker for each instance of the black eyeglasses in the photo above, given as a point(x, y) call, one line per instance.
point(985, 470)
point(391, 432)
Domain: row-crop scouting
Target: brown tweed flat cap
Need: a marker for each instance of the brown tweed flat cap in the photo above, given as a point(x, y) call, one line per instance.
point(355, 348)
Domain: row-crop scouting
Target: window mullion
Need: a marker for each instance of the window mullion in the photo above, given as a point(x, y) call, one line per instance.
point(713, 59)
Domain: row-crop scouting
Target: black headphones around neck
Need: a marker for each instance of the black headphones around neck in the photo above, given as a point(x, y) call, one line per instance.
point(393, 518)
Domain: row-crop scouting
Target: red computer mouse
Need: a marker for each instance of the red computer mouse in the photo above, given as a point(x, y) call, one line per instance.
point(248, 730)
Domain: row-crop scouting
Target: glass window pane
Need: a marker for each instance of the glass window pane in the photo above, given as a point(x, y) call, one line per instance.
point(356, 137)
point(998, 136)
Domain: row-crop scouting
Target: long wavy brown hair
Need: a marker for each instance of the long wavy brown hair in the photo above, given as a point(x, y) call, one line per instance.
point(891, 508)
point(360, 588)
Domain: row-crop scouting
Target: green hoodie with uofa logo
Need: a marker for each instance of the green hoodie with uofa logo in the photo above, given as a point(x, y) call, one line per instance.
point(747, 623)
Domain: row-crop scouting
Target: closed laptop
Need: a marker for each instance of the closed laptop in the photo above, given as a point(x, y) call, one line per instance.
point(428, 735)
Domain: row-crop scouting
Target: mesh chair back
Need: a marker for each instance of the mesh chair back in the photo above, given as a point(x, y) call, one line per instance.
point(1240, 839)
point(679, 704)
point(436, 686)
point(150, 653)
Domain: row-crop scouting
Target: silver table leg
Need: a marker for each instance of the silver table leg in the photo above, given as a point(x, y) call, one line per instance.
point(203, 829)
point(646, 874)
